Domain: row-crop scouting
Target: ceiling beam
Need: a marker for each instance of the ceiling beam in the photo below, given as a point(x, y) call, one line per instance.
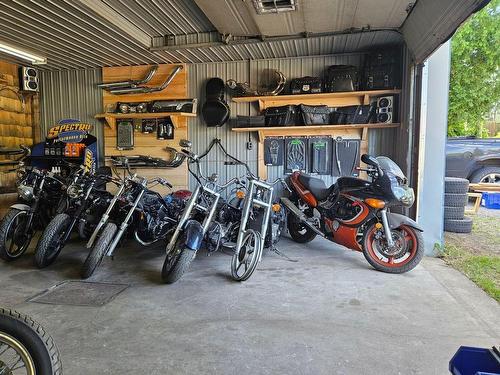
point(118, 21)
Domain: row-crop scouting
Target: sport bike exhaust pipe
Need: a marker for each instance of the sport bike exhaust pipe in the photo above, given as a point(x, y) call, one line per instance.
point(300, 215)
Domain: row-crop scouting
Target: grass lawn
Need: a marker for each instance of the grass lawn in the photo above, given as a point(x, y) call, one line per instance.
point(477, 255)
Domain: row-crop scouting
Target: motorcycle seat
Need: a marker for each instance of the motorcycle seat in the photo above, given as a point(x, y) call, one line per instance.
point(316, 186)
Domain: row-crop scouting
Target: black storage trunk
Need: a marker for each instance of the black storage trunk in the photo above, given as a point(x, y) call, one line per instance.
point(341, 78)
point(382, 70)
point(286, 115)
point(354, 114)
point(315, 114)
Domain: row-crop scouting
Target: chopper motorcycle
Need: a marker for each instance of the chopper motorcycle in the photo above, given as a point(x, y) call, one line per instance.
point(356, 213)
point(87, 199)
point(246, 222)
point(134, 209)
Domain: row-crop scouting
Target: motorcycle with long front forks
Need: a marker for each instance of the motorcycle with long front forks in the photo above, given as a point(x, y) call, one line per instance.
point(87, 199)
point(356, 213)
point(210, 219)
point(146, 213)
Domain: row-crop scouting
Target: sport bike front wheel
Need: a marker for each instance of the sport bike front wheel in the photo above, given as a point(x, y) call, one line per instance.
point(25, 347)
point(403, 256)
point(245, 260)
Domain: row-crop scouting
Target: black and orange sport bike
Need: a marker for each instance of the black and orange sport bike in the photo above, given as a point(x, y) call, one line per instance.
point(355, 213)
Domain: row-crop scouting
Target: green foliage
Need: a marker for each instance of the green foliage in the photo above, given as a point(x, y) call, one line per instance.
point(474, 77)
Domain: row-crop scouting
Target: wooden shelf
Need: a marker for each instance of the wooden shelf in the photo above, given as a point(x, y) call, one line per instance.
point(110, 118)
point(332, 99)
point(145, 115)
point(312, 130)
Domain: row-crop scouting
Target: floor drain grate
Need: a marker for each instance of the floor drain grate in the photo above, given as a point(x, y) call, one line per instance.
point(79, 293)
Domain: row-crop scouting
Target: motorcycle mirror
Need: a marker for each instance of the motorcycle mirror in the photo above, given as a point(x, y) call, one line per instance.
point(369, 160)
point(185, 143)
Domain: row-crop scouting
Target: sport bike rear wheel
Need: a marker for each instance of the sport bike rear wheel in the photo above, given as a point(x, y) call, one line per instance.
point(406, 253)
point(244, 261)
point(99, 250)
point(299, 232)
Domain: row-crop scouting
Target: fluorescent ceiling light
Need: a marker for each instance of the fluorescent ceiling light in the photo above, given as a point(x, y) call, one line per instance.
point(34, 59)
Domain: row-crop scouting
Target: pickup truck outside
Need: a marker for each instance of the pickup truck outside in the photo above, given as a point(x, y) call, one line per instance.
point(476, 159)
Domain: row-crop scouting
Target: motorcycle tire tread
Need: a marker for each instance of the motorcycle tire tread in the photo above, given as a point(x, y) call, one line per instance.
point(405, 268)
point(98, 252)
point(4, 226)
point(181, 265)
point(33, 336)
point(455, 185)
point(42, 256)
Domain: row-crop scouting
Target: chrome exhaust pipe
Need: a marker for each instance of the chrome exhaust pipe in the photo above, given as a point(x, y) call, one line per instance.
point(300, 215)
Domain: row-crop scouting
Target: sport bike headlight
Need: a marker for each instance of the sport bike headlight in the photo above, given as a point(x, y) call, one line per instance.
point(25, 192)
point(405, 195)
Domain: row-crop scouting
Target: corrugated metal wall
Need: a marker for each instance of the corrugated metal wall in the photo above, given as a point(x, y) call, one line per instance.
point(381, 141)
point(71, 94)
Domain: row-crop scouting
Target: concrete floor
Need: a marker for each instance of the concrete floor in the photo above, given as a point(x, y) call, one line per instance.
point(328, 313)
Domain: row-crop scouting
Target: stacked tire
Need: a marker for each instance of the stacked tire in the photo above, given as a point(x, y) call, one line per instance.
point(455, 200)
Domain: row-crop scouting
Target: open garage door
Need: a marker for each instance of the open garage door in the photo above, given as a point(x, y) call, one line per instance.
point(431, 23)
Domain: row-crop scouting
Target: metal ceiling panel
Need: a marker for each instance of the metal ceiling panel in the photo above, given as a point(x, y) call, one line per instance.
point(314, 46)
point(432, 22)
point(312, 16)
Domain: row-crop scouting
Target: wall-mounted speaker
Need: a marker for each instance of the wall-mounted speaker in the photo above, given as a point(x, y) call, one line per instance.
point(385, 109)
point(28, 79)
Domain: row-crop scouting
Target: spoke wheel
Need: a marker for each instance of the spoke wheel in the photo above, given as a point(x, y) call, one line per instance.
point(245, 260)
point(403, 256)
point(14, 357)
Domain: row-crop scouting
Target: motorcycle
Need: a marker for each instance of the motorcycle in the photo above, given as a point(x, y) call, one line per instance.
point(39, 195)
point(210, 219)
point(86, 201)
point(25, 346)
point(356, 213)
point(150, 215)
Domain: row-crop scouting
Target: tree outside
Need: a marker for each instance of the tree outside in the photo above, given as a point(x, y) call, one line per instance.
point(474, 77)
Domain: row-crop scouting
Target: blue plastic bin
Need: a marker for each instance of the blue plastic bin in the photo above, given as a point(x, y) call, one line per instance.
point(491, 200)
point(475, 361)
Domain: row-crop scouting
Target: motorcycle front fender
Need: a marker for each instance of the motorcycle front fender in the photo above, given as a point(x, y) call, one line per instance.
point(20, 207)
point(193, 235)
point(396, 220)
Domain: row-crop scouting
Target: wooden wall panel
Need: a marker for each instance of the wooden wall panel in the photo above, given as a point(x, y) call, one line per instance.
point(18, 123)
point(147, 144)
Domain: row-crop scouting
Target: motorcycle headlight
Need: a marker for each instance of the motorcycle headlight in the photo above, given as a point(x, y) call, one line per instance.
point(25, 192)
point(21, 174)
point(404, 195)
point(74, 191)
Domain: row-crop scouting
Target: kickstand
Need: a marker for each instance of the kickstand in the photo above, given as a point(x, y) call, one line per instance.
point(274, 249)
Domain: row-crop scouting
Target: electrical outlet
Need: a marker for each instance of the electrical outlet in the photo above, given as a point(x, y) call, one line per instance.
point(249, 145)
